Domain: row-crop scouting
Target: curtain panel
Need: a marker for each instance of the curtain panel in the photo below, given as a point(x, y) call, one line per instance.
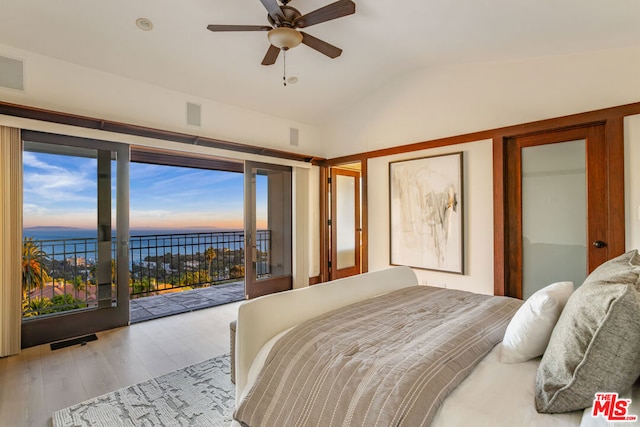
point(10, 240)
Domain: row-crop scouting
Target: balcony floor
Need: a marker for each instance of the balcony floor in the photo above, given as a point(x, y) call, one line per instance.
point(157, 306)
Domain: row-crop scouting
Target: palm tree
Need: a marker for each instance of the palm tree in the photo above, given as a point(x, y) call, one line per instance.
point(78, 285)
point(210, 253)
point(34, 271)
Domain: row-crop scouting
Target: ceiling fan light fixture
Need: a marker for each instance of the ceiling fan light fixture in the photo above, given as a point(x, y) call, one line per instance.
point(284, 37)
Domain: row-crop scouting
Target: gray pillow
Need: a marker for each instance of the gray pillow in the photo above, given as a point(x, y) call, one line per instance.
point(595, 346)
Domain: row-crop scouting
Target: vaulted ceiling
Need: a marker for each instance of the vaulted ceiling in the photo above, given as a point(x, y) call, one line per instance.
point(382, 41)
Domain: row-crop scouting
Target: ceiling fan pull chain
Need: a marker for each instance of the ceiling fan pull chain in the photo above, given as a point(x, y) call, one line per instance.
point(284, 70)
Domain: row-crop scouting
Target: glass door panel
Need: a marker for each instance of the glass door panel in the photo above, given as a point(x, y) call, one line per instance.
point(554, 214)
point(345, 222)
point(75, 255)
point(345, 207)
point(268, 243)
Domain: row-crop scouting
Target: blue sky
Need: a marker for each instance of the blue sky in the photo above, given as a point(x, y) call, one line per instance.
point(61, 191)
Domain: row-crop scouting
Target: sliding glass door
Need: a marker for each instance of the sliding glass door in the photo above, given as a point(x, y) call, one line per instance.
point(267, 229)
point(75, 246)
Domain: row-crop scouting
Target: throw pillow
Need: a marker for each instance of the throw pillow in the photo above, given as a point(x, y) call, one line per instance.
point(529, 331)
point(595, 346)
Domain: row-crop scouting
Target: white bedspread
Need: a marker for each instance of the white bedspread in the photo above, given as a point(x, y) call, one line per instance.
point(499, 394)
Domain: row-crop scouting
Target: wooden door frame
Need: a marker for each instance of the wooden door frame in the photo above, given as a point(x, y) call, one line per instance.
point(324, 216)
point(357, 268)
point(613, 150)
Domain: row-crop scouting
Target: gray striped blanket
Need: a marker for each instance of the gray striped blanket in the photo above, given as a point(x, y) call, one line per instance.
point(386, 361)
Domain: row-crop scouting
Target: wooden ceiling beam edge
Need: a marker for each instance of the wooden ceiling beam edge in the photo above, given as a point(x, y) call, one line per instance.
point(573, 120)
point(51, 116)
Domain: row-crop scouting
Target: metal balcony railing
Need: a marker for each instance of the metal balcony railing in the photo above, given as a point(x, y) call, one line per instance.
point(59, 274)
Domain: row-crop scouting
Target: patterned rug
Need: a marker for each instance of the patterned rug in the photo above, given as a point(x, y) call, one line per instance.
point(198, 395)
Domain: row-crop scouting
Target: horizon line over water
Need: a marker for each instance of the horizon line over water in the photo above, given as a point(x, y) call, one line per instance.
point(51, 233)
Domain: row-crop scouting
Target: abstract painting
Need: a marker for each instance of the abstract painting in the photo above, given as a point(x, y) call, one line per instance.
point(425, 199)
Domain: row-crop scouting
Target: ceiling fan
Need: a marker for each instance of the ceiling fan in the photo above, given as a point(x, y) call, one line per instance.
point(284, 23)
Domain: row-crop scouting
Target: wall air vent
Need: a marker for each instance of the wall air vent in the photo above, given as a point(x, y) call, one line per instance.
point(11, 73)
point(193, 114)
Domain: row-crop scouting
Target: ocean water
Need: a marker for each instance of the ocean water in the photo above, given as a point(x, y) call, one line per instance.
point(62, 243)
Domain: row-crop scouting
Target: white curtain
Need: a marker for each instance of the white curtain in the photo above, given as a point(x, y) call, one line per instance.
point(300, 227)
point(10, 240)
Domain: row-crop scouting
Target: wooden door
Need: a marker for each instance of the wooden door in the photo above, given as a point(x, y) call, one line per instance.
point(346, 228)
point(604, 202)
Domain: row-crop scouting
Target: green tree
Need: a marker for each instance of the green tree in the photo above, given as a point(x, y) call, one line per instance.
point(78, 285)
point(237, 271)
point(210, 254)
point(36, 307)
point(143, 286)
point(34, 271)
point(66, 302)
point(195, 278)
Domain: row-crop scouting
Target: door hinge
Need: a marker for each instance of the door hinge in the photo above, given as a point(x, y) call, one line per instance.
point(329, 180)
point(329, 222)
point(329, 264)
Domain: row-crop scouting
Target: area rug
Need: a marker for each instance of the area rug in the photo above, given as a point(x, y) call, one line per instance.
point(198, 395)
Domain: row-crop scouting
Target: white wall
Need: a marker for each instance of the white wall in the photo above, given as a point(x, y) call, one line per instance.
point(438, 103)
point(65, 87)
point(441, 102)
point(632, 180)
point(478, 216)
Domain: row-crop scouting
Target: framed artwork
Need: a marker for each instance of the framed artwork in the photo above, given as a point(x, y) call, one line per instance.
point(426, 213)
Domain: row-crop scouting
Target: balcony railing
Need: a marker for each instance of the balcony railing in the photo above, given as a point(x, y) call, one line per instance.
point(62, 271)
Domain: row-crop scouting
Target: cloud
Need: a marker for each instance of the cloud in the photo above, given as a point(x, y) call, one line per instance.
point(46, 182)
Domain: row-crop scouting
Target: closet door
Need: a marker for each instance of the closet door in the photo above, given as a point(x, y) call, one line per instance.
point(559, 208)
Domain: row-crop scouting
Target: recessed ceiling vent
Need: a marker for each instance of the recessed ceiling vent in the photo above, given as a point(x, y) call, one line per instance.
point(11, 73)
point(193, 114)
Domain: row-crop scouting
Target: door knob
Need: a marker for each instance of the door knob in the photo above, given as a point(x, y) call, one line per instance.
point(599, 244)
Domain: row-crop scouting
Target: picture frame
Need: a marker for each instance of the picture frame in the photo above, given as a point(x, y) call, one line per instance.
point(426, 213)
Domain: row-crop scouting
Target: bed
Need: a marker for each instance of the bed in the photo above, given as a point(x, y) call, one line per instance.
point(270, 356)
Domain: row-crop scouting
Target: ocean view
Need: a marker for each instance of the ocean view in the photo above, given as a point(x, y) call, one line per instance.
point(50, 233)
point(61, 242)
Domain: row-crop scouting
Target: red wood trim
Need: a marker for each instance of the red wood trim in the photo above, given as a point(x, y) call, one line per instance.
point(569, 121)
point(513, 218)
point(614, 134)
point(364, 262)
point(499, 231)
point(612, 118)
point(314, 280)
point(131, 129)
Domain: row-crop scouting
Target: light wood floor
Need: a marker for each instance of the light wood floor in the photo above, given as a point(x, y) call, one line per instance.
point(39, 381)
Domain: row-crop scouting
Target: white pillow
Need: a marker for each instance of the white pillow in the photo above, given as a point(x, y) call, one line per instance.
point(530, 328)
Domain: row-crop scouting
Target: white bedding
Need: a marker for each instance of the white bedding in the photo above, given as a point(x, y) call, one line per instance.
point(492, 395)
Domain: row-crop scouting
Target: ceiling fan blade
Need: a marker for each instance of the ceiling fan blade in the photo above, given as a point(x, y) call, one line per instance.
point(271, 56)
point(321, 46)
point(238, 28)
point(274, 10)
point(332, 11)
